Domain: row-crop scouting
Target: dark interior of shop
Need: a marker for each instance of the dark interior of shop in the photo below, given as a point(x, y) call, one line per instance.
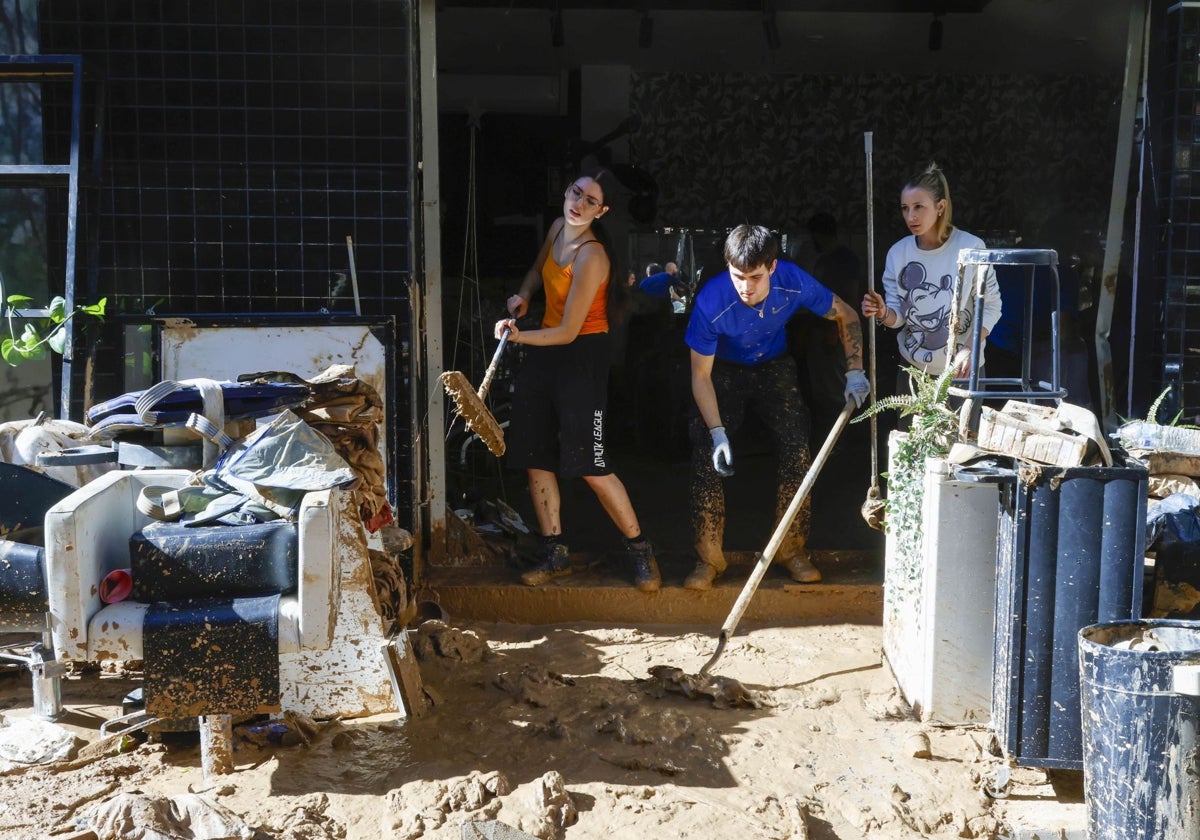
point(718, 113)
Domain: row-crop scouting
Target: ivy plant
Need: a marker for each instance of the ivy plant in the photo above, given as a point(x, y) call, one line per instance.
point(40, 334)
point(933, 430)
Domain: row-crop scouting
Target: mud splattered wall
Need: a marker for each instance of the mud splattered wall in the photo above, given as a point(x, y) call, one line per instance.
point(776, 149)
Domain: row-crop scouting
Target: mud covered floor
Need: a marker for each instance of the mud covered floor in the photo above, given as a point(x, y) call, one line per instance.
point(560, 731)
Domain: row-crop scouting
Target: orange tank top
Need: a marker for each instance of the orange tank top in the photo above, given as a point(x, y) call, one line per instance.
point(556, 281)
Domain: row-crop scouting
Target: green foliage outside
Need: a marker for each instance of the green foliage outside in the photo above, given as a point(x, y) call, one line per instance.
point(40, 334)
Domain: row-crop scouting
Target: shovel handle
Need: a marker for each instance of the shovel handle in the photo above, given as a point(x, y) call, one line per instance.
point(768, 554)
point(491, 368)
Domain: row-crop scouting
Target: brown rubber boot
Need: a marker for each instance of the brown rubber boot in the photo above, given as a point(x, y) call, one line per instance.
point(796, 560)
point(708, 567)
point(802, 570)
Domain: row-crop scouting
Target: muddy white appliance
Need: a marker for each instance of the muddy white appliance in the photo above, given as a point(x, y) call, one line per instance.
point(938, 617)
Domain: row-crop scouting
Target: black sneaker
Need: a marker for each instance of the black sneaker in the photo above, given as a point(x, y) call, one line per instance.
point(553, 562)
point(645, 570)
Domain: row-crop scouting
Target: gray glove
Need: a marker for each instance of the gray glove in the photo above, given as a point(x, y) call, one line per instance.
point(857, 387)
point(722, 455)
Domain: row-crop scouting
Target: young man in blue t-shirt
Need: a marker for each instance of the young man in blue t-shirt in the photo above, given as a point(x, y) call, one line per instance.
point(739, 360)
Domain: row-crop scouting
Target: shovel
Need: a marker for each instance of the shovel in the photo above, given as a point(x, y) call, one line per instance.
point(768, 553)
point(470, 404)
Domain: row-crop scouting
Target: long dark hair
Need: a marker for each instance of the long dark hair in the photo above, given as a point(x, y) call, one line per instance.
point(617, 297)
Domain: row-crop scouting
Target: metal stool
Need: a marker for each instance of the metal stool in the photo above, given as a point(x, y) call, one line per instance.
point(984, 387)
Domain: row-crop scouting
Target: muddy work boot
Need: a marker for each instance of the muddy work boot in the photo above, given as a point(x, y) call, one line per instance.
point(553, 561)
point(645, 570)
point(709, 566)
point(800, 567)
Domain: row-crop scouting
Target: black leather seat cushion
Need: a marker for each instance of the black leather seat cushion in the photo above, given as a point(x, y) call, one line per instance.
point(169, 561)
point(23, 600)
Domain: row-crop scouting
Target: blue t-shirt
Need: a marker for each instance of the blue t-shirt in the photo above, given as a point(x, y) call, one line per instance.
point(724, 326)
point(657, 284)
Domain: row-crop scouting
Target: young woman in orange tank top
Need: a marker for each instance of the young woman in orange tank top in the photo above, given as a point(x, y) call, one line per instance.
point(560, 401)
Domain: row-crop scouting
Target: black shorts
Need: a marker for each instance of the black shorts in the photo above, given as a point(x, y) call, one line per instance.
point(558, 409)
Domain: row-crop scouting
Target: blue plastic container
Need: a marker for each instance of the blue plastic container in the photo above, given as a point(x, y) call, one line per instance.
point(1139, 685)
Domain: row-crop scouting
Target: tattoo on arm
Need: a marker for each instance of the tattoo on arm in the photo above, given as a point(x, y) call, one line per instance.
point(849, 331)
point(851, 336)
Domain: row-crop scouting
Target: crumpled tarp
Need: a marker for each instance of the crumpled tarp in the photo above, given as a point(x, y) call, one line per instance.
point(286, 453)
point(350, 413)
point(184, 816)
point(27, 740)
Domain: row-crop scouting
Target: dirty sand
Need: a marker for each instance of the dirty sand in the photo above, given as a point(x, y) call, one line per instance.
point(560, 731)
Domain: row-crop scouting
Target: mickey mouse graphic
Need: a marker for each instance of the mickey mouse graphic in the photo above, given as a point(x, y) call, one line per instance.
point(926, 310)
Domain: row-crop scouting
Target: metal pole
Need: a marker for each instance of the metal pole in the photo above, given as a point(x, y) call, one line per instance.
point(47, 673)
point(434, 424)
point(869, 149)
point(1116, 213)
point(216, 745)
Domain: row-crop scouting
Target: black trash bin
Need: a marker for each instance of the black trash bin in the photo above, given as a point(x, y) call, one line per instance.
point(1140, 715)
point(1070, 553)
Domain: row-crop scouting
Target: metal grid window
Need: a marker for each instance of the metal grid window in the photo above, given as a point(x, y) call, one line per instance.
point(242, 144)
point(1178, 257)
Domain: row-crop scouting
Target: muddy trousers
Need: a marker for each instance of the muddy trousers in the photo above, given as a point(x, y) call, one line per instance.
point(770, 391)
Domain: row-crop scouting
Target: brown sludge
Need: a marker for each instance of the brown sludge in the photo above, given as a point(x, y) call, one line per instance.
point(724, 692)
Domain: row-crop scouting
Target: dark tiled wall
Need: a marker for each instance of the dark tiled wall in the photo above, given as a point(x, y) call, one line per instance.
point(243, 143)
point(775, 149)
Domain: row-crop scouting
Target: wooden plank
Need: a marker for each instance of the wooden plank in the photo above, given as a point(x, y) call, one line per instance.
point(406, 675)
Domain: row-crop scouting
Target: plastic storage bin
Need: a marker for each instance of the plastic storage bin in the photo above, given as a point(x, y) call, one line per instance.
point(1139, 687)
point(1069, 554)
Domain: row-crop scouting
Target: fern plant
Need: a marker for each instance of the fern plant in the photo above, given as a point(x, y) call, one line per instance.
point(1152, 414)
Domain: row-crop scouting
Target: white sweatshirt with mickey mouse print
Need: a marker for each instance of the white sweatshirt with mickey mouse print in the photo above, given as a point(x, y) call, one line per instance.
point(919, 285)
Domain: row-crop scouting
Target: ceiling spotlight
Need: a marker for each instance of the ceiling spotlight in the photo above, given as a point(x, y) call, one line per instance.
point(935, 33)
point(646, 31)
point(770, 25)
point(556, 28)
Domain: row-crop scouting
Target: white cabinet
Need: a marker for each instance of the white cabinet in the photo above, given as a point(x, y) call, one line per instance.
point(939, 598)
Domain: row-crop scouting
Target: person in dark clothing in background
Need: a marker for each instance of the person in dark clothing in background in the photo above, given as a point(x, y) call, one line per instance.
point(820, 347)
point(1006, 340)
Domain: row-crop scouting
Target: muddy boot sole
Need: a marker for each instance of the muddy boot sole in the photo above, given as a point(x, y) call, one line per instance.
point(536, 577)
